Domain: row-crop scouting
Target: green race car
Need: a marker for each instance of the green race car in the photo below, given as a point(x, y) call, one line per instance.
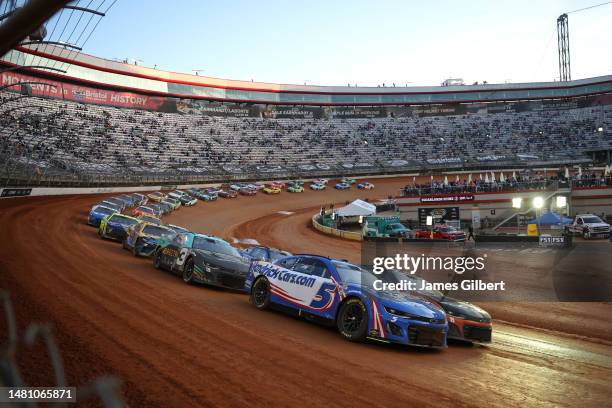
point(295, 188)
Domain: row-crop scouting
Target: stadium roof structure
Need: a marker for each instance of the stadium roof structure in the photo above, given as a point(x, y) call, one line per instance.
point(102, 73)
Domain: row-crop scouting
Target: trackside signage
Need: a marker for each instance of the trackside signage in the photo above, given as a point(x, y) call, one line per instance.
point(448, 199)
point(16, 192)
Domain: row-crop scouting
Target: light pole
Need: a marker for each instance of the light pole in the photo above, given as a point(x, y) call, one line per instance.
point(517, 202)
point(538, 203)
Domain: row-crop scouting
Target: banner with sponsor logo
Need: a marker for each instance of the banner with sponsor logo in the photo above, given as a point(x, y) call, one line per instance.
point(15, 192)
point(78, 93)
point(455, 198)
point(192, 106)
point(445, 160)
point(438, 214)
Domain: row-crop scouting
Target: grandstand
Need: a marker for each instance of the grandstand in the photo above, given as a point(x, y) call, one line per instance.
point(74, 129)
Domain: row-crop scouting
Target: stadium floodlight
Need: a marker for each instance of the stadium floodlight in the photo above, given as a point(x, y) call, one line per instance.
point(561, 201)
point(600, 129)
point(538, 202)
point(517, 202)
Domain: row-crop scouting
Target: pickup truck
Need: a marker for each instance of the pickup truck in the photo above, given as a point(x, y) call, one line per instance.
point(385, 227)
point(589, 226)
point(442, 231)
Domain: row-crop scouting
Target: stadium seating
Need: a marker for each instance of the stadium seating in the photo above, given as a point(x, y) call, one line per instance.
point(106, 140)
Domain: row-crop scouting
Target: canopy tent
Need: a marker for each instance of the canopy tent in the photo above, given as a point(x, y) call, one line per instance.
point(356, 208)
point(550, 218)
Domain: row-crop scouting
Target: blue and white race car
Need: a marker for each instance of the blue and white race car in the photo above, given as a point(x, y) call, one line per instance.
point(342, 186)
point(344, 295)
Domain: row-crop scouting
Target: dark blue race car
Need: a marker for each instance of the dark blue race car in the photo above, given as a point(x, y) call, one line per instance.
point(97, 213)
point(115, 226)
point(345, 295)
point(263, 253)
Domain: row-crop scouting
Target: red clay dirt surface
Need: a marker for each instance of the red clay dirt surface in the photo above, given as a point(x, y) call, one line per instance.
point(175, 345)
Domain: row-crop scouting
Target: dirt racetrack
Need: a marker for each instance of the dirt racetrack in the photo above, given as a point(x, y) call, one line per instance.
point(180, 345)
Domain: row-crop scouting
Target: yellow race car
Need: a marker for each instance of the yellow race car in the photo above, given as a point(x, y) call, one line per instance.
point(156, 196)
point(272, 190)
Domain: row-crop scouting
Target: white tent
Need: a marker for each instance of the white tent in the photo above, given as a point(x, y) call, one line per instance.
point(501, 177)
point(480, 176)
point(357, 207)
point(492, 177)
point(566, 172)
point(514, 175)
point(470, 178)
point(445, 181)
point(486, 177)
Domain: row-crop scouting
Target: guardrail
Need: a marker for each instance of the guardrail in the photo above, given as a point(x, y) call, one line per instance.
point(353, 236)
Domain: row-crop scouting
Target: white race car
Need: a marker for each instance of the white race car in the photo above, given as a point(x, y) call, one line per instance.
point(315, 186)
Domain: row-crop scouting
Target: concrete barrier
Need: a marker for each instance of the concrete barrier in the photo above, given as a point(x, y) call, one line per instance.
point(353, 236)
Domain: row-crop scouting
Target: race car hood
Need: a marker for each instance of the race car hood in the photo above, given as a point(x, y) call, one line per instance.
point(466, 310)
point(408, 303)
point(238, 264)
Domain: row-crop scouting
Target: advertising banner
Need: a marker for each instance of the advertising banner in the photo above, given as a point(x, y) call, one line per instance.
point(77, 93)
point(448, 199)
point(15, 192)
point(438, 214)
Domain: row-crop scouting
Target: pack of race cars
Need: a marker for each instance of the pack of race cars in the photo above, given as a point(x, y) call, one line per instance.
point(330, 291)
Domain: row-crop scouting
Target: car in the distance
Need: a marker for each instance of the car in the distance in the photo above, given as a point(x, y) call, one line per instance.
point(98, 212)
point(317, 187)
point(227, 194)
point(176, 204)
point(365, 186)
point(271, 190)
point(295, 188)
point(144, 210)
point(156, 196)
point(184, 198)
point(245, 191)
point(342, 186)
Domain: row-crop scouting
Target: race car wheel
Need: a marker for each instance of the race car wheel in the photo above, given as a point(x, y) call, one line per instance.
point(352, 321)
point(260, 294)
point(188, 271)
